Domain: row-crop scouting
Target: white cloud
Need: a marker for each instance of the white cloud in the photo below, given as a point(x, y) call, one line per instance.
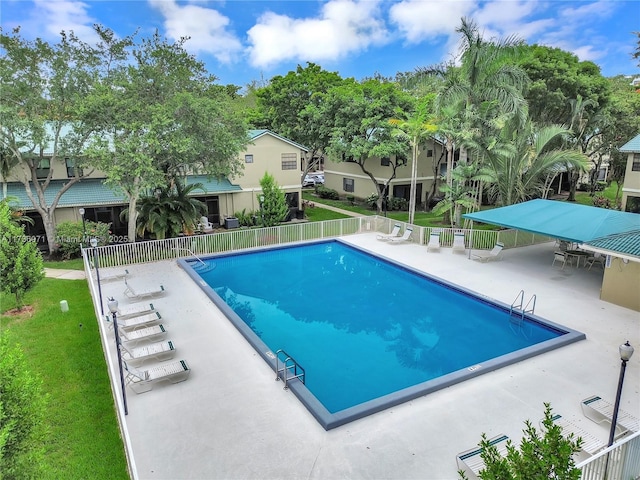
point(207, 29)
point(343, 27)
point(420, 20)
point(50, 18)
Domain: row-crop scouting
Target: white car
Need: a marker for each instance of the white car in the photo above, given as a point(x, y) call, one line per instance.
point(312, 180)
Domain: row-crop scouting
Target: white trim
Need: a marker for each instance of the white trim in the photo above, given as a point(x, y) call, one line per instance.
point(609, 253)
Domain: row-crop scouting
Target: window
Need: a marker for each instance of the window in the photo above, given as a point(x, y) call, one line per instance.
point(348, 184)
point(71, 168)
point(289, 161)
point(429, 153)
point(347, 159)
point(635, 166)
point(384, 161)
point(43, 166)
point(400, 160)
point(248, 159)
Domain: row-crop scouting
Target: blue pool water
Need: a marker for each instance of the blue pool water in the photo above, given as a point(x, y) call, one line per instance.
point(366, 330)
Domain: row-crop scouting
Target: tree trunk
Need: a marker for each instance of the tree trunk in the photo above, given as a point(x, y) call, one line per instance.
point(133, 218)
point(414, 181)
point(573, 182)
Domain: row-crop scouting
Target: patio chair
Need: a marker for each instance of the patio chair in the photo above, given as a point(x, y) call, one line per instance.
point(140, 321)
point(597, 259)
point(114, 276)
point(494, 254)
point(135, 310)
point(601, 411)
point(132, 293)
point(159, 351)
point(153, 333)
point(205, 225)
point(559, 257)
point(471, 462)
point(405, 236)
point(590, 443)
point(142, 381)
point(394, 233)
point(434, 241)
point(458, 242)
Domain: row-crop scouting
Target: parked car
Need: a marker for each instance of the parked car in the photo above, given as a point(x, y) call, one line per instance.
point(311, 180)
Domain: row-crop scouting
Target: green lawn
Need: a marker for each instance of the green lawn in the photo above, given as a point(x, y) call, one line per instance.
point(73, 264)
point(584, 198)
point(84, 438)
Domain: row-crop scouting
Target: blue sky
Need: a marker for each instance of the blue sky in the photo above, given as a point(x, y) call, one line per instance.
point(242, 41)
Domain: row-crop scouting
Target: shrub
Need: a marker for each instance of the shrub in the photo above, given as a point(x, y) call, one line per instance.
point(246, 219)
point(69, 236)
point(324, 192)
point(372, 201)
point(396, 203)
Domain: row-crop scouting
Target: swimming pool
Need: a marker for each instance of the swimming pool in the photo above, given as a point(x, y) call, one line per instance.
point(369, 333)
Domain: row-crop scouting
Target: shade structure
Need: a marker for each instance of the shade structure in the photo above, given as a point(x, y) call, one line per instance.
point(563, 220)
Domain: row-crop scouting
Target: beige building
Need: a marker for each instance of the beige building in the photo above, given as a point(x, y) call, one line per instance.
point(267, 152)
point(631, 187)
point(347, 178)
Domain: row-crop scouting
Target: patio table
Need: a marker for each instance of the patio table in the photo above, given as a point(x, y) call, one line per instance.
point(577, 254)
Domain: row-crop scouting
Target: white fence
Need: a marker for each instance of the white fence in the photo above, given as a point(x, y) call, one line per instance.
point(238, 239)
point(621, 461)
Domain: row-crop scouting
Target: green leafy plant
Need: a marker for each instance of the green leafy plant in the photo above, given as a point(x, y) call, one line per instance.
point(70, 235)
point(324, 192)
point(20, 260)
point(22, 414)
point(246, 219)
point(545, 454)
point(273, 203)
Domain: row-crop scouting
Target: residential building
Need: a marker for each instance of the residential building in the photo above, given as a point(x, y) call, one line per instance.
point(267, 152)
point(631, 186)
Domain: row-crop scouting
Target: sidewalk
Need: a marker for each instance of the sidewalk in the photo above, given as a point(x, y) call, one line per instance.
point(336, 209)
point(64, 274)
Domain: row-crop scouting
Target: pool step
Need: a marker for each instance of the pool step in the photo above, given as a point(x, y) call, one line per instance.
point(289, 370)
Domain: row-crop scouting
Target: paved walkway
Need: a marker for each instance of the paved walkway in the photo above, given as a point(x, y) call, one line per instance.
point(64, 274)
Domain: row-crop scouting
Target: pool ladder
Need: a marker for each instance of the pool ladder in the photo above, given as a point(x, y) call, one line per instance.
point(287, 368)
point(518, 311)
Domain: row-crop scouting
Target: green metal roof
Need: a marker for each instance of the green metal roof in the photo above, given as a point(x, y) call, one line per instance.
point(563, 220)
point(91, 192)
point(632, 145)
point(627, 243)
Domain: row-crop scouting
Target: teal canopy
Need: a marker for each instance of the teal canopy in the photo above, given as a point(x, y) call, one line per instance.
point(566, 221)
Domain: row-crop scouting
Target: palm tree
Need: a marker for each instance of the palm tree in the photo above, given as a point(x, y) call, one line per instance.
point(417, 128)
point(169, 211)
point(519, 173)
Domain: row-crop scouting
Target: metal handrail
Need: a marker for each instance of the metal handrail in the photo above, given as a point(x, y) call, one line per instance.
point(287, 367)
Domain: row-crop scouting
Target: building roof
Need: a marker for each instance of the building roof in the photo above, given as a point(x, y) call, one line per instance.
point(624, 243)
point(92, 192)
point(255, 134)
point(563, 220)
point(632, 145)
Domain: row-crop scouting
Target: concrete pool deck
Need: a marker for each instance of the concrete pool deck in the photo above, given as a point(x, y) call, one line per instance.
point(231, 420)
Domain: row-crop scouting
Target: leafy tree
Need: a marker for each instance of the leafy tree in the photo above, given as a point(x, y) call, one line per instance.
point(273, 202)
point(636, 52)
point(169, 211)
point(541, 455)
point(21, 266)
point(284, 101)
point(43, 88)
point(22, 415)
point(162, 117)
point(418, 127)
point(557, 77)
point(357, 115)
point(519, 171)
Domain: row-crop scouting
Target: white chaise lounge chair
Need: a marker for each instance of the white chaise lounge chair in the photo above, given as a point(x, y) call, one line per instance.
point(458, 242)
point(135, 310)
point(394, 233)
point(405, 236)
point(494, 254)
point(471, 462)
point(141, 321)
point(142, 381)
point(160, 351)
point(153, 333)
point(105, 277)
point(590, 443)
point(138, 294)
point(601, 411)
point(434, 241)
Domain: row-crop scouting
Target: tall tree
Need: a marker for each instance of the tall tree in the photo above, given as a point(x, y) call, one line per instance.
point(43, 88)
point(417, 127)
point(163, 116)
point(357, 115)
point(273, 202)
point(283, 103)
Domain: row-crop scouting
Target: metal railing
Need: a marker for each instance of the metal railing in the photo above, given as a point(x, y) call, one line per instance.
point(621, 461)
point(238, 239)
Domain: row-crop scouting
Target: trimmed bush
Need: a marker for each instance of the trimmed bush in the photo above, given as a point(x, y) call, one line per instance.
point(69, 236)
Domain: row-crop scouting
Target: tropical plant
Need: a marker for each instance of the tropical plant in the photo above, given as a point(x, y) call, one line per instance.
point(273, 203)
point(534, 155)
point(541, 455)
point(21, 265)
point(71, 235)
point(169, 211)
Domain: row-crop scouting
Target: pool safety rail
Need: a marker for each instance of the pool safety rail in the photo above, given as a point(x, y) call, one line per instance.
point(287, 368)
point(518, 310)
